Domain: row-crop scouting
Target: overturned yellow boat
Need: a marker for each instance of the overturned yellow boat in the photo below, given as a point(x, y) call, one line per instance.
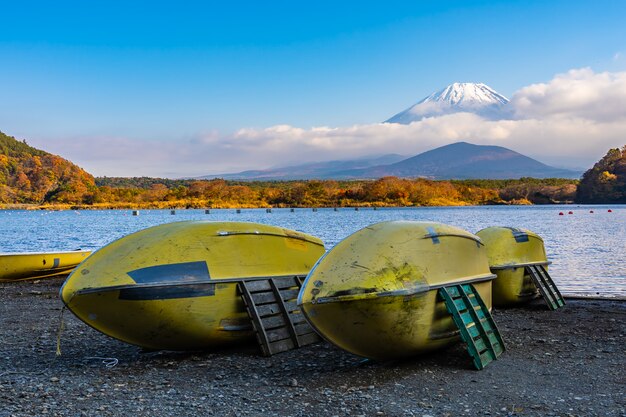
point(375, 294)
point(518, 258)
point(34, 265)
point(174, 286)
point(510, 250)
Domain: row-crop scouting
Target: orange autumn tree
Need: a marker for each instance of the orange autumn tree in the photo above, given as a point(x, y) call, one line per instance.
point(30, 175)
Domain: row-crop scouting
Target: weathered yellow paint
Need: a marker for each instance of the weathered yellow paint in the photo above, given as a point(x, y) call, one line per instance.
point(507, 258)
point(188, 323)
point(181, 312)
point(375, 293)
point(35, 265)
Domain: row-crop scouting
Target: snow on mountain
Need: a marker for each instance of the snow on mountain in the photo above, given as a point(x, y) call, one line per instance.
point(458, 97)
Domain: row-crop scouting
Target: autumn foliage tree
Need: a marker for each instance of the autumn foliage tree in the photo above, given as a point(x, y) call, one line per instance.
point(605, 182)
point(30, 175)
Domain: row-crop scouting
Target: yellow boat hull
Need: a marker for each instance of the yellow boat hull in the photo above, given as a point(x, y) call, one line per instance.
point(389, 327)
point(509, 250)
point(375, 294)
point(21, 266)
point(513, 286)
point(174, 286)
point(190, 321)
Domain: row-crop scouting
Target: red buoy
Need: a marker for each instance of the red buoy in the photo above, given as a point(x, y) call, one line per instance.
point(570, 212)
point(590, 211)
point(610, 211)
point(560, 213)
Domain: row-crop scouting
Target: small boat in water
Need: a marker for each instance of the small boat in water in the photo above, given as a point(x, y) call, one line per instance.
point(376, 293)
point(35, 265)
point(175, 286)
point(518, 258)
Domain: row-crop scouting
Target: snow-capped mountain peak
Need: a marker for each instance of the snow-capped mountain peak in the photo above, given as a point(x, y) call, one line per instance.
point(460, 94)
point(475, 98)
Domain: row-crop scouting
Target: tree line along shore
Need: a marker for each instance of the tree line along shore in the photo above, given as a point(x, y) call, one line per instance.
point(158, 193)
point(32, 178)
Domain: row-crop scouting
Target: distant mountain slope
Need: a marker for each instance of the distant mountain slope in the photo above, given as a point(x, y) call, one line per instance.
point(30, 175)
point(313, 170)
point(456, 161)
point(458, 97)
point(464, 160)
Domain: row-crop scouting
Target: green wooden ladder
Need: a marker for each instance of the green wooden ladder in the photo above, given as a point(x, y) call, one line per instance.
point(546, 286)
point(472, 317)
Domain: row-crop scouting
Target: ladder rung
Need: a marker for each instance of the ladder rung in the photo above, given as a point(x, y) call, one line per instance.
point(309, 338)
point(268, 296)
point(279, 346)
point(273, 321)
point(303, 328)
point(279, 333)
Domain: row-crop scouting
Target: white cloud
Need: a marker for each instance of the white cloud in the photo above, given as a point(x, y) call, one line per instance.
point(578, 93)
point(429, 107)
point(572, 120)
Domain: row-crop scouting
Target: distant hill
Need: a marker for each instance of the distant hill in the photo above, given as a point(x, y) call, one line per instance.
point(464, 160)
point(30, 175)
point(313, 170)
point(460, 160)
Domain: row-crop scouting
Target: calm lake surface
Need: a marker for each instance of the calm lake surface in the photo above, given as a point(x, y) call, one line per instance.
point(587, 250)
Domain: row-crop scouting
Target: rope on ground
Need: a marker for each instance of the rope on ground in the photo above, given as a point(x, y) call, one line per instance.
point(108, 362)
point(61, 328)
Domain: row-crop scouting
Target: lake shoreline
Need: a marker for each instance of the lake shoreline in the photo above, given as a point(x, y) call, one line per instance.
point(564, 362)
point(129, 206)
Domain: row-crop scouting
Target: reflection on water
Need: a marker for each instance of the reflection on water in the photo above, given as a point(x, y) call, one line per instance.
point(587, 250)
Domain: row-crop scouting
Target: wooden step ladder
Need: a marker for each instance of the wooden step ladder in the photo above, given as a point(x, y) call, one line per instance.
point(277, 320)
point(548, 289)
point(472, 317)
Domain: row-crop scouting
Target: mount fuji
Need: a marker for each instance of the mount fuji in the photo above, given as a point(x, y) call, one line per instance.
point(454, 161)
point(474, 98)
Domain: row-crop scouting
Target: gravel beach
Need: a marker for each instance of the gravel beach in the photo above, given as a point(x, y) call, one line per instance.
point(569, 362)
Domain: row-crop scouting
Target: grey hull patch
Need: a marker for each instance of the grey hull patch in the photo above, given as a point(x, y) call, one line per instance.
point(171, 273)
point(519, 235)
point(433, 235)
point(167, 293)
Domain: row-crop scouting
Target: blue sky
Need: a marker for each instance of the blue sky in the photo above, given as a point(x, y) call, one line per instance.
point(166, 72)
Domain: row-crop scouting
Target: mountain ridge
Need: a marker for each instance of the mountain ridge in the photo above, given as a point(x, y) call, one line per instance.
point(463, 160)
point(310, 170)
point(460, 160)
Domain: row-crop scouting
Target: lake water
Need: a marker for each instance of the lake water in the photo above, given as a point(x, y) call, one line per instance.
point(587, 250)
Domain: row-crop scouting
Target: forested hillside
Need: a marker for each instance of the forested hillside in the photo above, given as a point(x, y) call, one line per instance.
point(32, 176)
point(606, 181)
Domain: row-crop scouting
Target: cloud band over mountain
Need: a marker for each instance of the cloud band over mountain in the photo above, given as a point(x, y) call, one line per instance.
point(569, 121)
